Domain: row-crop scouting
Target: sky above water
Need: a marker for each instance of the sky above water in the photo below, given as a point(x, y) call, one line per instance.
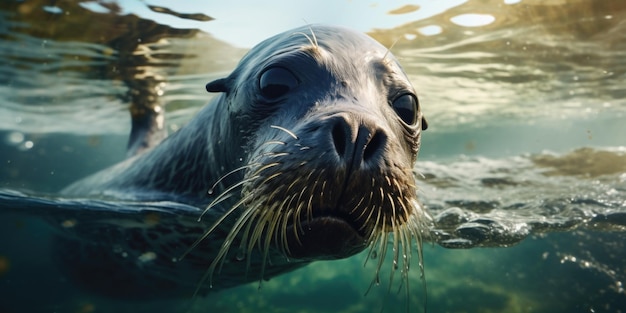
point(271, 17)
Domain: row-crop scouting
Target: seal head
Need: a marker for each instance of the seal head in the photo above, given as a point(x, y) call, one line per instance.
point(330, 127)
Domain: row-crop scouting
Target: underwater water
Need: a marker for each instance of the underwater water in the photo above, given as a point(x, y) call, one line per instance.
point(523, 167)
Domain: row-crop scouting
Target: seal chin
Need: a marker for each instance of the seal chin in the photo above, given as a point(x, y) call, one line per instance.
point(326, 237)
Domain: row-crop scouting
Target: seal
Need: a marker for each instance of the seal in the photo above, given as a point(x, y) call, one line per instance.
point(306, 153)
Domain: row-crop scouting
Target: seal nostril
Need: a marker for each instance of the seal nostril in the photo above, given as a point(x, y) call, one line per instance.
point(339, 138)
point(374, 147)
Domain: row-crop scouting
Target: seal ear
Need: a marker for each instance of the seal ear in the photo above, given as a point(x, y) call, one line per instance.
point(218, 85)
point(424, 123)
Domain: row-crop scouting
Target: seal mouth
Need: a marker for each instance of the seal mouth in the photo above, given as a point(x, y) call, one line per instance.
point(325, 236)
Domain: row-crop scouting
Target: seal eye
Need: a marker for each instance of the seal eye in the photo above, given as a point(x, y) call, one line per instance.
point(406, 108)
point(276, 82)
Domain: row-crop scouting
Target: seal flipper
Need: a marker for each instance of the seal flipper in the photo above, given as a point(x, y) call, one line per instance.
point(147, 115)
point(146, 129)
point(120, 249)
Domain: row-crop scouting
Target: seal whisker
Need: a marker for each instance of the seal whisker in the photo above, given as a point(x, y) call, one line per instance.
point(262, 155)
point(374, 236)
point(297, 221)
point(208, 274)
point(235, 229)
point(382, 247)
point(213, 227)
point(396, 251)
point(314, 37)
point(393, 211)
point(388, 52)
point(371, 196)
point(295, 214)
point(272, 142)
point(280, 235)
point(269, 219)
point(309, 213)
point(313, 41)
point(406, 256)
point(223, 251)
point(369, 216)
point(290, 133)
point(282, 239)
point(225, 195)
point(247, 236)
point(357, 205)
point(247, 166)
point(259, 171)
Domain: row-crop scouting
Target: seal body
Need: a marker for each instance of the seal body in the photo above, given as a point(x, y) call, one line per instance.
point(306, 154)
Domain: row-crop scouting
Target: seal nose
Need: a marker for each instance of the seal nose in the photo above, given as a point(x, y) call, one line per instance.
point(358, 142)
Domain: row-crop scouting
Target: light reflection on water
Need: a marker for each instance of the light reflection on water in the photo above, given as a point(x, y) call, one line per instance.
point(515, 93)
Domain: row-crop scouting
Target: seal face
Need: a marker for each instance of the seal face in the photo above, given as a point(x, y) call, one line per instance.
point(335, 133)
point(307, 154)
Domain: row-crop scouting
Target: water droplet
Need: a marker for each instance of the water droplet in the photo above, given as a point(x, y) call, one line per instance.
point(210, 192)
point(15, 138)
point(26, 145)
point(146, 257)
point(68, 223)
point(241, 255)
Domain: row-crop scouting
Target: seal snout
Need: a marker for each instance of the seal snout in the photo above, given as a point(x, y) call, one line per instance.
point(357, 142)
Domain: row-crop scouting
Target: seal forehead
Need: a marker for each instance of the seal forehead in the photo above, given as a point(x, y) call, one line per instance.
point(342, 51)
